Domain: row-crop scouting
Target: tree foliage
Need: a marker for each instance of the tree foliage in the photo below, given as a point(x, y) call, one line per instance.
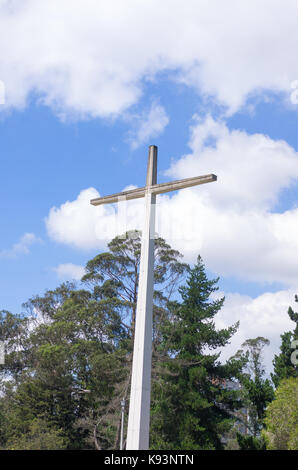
point(283, 365)
point(40, 436)
point(282, 417)
point(69, 358)
point(256, 389)
point(192, 404)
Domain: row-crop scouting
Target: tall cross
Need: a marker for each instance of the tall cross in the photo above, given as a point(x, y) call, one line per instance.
point(139, 407)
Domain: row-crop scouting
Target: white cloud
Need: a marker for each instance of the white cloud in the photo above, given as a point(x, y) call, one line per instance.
point(70, 271)
point(241, 235)
point(266, 316)
point(251, 169)
point(74, 221)
point(90, 58)
point(150, 125)
point(2, 92)
point(86, 227)
point(231, 222)
point(22, 247)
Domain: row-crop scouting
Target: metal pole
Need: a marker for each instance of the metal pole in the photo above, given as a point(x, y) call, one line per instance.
point(122, 423)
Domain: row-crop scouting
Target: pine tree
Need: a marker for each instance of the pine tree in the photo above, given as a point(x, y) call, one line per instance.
point(283, 366)
point(192, 402)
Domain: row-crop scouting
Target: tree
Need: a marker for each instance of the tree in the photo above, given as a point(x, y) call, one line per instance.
point(115, 275)
point(282, 417)
point(250, 442)
point(192, 403)
point(68, 360)
point(283, 365)
point(40, 436)
point(256, 391)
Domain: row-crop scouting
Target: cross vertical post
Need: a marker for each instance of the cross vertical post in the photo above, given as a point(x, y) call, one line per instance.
point(139, 406)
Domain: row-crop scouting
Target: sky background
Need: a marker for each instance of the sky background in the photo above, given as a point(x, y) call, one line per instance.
point(87, 86)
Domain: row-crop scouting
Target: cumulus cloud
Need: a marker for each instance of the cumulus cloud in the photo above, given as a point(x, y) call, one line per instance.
point(86, 227)
point(74, 222)
point(242, 235)
point(91, 58)
point(252, 169)
point(2, 92)
point(266, 316)
point(231, 222)
point(70, 271)
point(149, 125)
point(22, 247)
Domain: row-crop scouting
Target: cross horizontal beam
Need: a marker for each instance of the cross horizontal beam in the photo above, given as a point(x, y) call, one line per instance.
point(154, 189)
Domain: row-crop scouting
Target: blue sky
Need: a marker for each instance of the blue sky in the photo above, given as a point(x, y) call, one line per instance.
point(86, 93)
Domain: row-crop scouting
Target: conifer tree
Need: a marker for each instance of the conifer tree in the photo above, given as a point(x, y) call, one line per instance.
point(283, 366)
point(192, 400)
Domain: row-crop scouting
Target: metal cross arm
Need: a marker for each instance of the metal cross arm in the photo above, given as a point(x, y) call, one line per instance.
point(154, 189)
